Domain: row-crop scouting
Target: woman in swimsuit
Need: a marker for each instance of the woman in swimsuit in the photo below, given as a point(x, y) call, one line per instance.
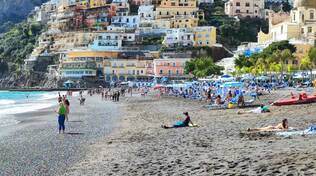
point(281, 126)
point(184, 123)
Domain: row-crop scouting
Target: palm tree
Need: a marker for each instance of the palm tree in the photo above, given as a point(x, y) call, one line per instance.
point(312, 58)
point(285, 55)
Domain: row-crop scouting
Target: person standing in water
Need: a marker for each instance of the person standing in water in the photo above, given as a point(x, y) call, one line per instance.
point(61, 117)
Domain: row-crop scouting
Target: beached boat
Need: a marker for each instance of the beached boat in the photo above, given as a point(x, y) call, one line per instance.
point(302, 99)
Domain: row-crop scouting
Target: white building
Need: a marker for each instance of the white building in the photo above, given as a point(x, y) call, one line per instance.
point(179, 37)
point(111, 41)
point(146, 12)
point(127, 22)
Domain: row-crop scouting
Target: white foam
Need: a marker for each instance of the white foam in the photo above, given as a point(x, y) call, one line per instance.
point(8, 122)
point(6, 102)
point(23, 108)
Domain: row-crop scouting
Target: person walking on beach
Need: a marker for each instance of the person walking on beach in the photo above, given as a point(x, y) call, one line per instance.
point(61, 117)
point(67, 105)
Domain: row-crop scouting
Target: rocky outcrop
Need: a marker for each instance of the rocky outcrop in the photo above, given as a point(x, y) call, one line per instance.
point(16, 10)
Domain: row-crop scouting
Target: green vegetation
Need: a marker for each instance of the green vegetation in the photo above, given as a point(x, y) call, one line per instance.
point(19, 42)
point(202, 67)
point(152, 40)
point(231, 31)
point(271, 59)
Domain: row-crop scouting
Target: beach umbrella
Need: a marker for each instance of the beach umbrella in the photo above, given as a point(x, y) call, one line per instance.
point(232, 84)
point(263, 78)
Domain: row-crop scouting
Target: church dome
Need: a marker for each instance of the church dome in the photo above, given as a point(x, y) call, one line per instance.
point(305, 3)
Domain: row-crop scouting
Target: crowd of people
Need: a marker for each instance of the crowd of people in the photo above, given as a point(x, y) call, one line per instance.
point(215, 94)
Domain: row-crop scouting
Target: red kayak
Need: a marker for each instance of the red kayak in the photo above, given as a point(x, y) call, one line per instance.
point(302, 99)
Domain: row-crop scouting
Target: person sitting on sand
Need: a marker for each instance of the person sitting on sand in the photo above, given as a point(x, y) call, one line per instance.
point(281, 126)
point(179, 124)
point(229, 96)
point(241, 101)
point(218, 100)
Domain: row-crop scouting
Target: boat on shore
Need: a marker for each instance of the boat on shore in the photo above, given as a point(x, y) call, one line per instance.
point(301, 99)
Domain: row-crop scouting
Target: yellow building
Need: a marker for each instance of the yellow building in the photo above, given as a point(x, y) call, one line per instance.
point(91, 3)
point(113, 65)
point(204, 36)
point(264, 38)
point(300, 24)
point(172, 8)
point(184, 22)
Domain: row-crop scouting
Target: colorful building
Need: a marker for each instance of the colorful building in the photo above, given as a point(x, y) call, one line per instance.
point(112, 65)
point(184, 22)
point(245, 8)
point(179, 37)
point(204, 36)
point(196, 36)
point(170, 67)
point(171, 8)
point(300, 24)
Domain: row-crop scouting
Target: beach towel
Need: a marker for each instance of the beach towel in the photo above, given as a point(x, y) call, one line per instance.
point(308, 131)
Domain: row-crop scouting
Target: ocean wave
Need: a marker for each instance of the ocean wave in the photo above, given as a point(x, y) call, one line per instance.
point(23, 108)
point(6, 102)
point(7, 122)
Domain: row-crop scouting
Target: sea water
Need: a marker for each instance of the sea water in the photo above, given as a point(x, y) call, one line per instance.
point(16, 102)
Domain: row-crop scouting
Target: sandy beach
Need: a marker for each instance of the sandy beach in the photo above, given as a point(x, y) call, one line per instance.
point(125, 138)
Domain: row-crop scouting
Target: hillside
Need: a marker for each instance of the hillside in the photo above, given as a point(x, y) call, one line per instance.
point(14, 11)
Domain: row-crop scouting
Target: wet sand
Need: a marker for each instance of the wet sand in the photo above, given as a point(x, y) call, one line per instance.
point(142, 147)
point(135, 144)
point(34, 147)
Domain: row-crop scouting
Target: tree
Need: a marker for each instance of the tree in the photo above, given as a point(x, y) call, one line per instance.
point(285, 55)
point(312, 58)
point(306, 64)
point(202, 67)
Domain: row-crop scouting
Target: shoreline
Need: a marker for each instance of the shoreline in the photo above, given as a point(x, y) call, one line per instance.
point(35, 139)
point(125, 138)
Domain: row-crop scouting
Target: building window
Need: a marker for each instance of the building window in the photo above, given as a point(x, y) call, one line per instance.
point(141, 71)
point(295, 62)
point(173, 4)
point(237, 11)
point(177, 72)
point(310, 29)
point(161, 72)
point(247, 4)
point(174, 64)
point(302, 30)
point(256, 11)
point(247, 11)
point(237, 3)
point(311, 15)
point(169, 72)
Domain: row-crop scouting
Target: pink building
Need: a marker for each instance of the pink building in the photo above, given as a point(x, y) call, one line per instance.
point(170, 67)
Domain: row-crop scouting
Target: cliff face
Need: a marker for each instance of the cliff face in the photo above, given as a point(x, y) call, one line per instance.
point(14, 11)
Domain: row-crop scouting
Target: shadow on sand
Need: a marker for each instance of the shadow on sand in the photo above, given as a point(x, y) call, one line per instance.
point(72, 133)
point(76, 121)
